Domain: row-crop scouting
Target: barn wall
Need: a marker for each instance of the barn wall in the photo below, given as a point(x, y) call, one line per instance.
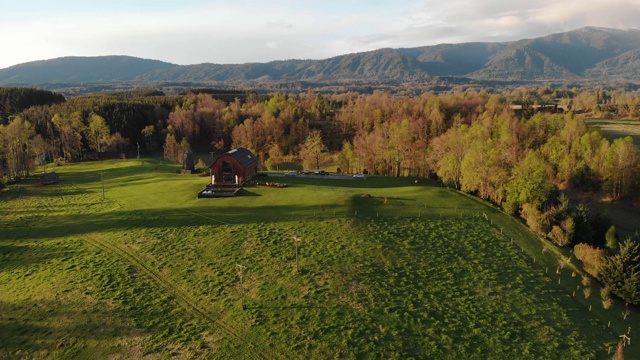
point(242, 173)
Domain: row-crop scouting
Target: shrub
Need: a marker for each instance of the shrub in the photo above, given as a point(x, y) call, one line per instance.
point(201, 164)
point(592, 258)
point(538, 221)
point(611, 239)
point(605, 294)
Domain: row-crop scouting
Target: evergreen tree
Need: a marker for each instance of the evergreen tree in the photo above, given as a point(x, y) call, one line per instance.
point(621, 272)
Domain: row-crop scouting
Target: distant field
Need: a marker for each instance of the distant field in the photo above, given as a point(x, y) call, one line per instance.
point(619, 128)
point(387, 269)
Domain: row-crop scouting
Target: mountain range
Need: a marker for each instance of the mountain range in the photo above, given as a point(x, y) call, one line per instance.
point(592, 54)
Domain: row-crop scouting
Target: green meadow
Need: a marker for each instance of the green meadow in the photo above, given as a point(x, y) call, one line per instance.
point(613, 129)
point(387, 268)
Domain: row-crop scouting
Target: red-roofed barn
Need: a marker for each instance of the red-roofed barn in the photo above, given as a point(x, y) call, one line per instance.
point(234, 167)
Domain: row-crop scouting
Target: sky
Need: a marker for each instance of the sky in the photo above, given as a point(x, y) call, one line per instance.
point(241, 31)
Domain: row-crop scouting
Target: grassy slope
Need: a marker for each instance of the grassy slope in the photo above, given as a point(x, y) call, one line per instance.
point(613, 129)
point(151, 271)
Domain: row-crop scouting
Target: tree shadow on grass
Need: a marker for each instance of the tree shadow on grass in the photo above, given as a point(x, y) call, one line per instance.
point(25, 256)
point(64, 224)
point(32, 328)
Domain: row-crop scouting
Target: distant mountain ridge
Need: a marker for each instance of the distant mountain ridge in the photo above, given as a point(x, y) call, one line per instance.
point(81, 69)
point(586, 54)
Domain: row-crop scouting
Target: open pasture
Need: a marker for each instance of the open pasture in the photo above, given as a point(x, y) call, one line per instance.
point(614, 129)
point(386, 269)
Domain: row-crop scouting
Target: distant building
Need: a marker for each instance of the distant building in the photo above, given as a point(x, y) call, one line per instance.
point(188, 166)
point(234, 167)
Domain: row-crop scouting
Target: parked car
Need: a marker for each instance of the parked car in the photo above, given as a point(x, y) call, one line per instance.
point(307, 171)
point(290, 173)
point(316, 172)
point(359, 176)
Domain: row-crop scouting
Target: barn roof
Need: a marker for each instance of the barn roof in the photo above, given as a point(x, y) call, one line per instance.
point(243, 156)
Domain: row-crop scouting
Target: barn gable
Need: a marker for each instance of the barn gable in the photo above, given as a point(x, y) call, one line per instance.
point(234, 167)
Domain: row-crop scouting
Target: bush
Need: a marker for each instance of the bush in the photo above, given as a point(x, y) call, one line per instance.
point(605, 294)
point(592, 258)
point(611, 239)
point(562, 234)
point(538, 221)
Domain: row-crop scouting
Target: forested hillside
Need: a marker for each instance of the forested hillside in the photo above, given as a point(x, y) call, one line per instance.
point(15, 100)
point(589, 55)
point(80, 69)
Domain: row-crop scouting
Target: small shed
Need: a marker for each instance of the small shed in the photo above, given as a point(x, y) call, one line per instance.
point(50, 178)
point(188, 165)
point(234, 167)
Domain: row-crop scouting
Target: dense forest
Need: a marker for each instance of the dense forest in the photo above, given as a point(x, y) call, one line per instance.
point(524, 150)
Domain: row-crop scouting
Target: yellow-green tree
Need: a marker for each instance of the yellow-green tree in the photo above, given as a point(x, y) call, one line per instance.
point(313, 150)
point(98, 133)
point(621, 165)
point(15, 140)
point(69, 130)
point(529, 183)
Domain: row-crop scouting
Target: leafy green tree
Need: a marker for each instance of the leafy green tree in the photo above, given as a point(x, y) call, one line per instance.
point(447, 153)
point(172, 148)
point(529, 183)
point(399, 144)
point(346, 158)
point(15, 141)
point(592, 258)
point(148, 132)
point(98, 133)
point(245, 135)
point(562, 234)
point(621, 163)
point(69, 130)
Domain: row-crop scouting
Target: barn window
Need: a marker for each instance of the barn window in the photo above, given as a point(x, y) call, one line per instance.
point(227, 167)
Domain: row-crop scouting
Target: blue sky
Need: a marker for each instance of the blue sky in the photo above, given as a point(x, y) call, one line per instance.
point(240, 31)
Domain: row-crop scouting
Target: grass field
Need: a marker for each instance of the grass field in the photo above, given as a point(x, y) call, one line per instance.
point(617, 128)
point(153, 272)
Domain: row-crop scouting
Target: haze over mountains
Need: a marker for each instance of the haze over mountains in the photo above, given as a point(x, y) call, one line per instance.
point(592, 54)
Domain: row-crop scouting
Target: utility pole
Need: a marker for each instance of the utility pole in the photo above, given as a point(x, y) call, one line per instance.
point(211, 152)
point(296, 240)
point(240, 268)
point(138, 150)
point(102, 181)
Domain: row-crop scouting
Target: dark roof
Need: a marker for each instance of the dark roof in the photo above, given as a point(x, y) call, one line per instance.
point(243, 156)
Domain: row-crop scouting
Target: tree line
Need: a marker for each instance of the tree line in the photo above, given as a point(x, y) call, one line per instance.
point(518, 157)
